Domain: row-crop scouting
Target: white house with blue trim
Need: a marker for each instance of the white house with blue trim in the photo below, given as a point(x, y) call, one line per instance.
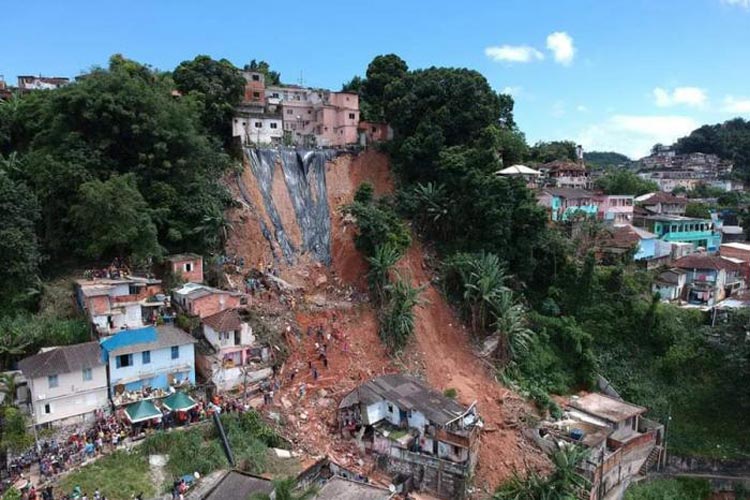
point(147, 362)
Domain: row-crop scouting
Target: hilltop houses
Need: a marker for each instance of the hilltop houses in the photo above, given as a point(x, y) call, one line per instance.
point(114, 304)
point(415, 430)
point(202, 300)
point(67, 384)
point(564, 204)
point(146, 363)
point(671, 170)
point(296, 115)
point(188, 266)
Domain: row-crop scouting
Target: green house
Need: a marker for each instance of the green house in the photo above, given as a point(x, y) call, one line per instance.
point(701, 233)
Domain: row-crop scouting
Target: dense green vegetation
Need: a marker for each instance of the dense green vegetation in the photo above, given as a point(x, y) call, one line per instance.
point(605, 159)
point(113, 165)
point(670, 489)
point(574, 318)
point(621, 181)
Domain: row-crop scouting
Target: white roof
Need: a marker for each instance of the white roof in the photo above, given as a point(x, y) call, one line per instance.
point(731, 229)
point(518, 170)
point(645, 197)
point(739, 246)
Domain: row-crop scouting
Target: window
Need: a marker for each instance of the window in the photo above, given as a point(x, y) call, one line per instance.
point(187, 267)
point(390, 408)
point(47, 409)
point(289, 111)
point(87, 375)
point(124, 360)
point(244, 123)
point(256, 95)
point(133, 290)
point(351, 116)
point(52, 380)
point(309, 111)
point(258, 124)
point(275, 95)
point(146, 357)
point(256, 78)
point(175, 351)
point(274, 125)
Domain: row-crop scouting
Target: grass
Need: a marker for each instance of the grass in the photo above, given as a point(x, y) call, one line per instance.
point(118, 476)
point(670, 489)
point(123, 474)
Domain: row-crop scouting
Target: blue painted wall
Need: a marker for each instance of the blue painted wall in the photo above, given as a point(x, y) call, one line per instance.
point(155, 373)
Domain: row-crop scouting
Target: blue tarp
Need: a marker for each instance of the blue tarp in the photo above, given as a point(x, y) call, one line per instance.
point(126, 338)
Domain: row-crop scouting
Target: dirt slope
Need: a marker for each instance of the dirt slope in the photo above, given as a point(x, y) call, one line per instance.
point(334, 298)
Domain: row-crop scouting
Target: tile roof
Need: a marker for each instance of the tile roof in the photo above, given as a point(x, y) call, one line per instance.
point(408, 394)
point(65, 359)
point(671, 276)
point(662, 197)
point(705, 261)
point(227, 320)
point(569, 193)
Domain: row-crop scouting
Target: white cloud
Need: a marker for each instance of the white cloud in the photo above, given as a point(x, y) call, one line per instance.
point(513, 53)
point(745, 4)
point(737, 105)
point(512, 90)
point(561, 45)
point(689, 96)
point(582, 109)
point(634, 135)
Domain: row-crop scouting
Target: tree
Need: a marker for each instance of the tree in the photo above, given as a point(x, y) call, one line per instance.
point(378, 276)
point(14, 436)
point(19, 247)
point(625, 182)
point(698, 210)
point(114, 220)
point(605, 159)
point(381, 72)
point(544, 152)
point(217, 85)
point(284, 489)
point(272, 77)
point(397, 316)
point(9, 387)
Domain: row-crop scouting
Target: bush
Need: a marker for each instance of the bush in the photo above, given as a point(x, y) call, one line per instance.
point(670, 489)
point(450, 393)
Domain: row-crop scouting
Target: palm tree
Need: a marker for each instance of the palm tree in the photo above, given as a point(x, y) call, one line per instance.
point(397, 318)
point(431, 206)
point(284, 489)
point(384, 258)
point(510, 324)
point(14, 341)
point(9, 387)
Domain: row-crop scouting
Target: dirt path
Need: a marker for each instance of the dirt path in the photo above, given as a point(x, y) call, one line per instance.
point(444, 345)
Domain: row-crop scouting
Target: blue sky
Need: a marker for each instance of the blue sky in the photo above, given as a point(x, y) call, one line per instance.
point(610, 74)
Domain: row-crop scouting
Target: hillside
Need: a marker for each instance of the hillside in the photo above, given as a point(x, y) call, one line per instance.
point(271, 226)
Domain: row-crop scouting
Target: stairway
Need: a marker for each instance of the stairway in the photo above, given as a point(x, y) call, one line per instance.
point(651, 460)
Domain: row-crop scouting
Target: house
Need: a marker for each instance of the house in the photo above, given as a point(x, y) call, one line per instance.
point(567, 174)
point(372, 132)
point(188, 265)
point(647, 249)
point(257, 126)
point(741, 253)
point(202, 301)
point(662, 203)
point(701, 233)
point(68, 384)
point(621, 441)
point(732, 234)
point(237, 485)
point(710, 278)
point(614, 209)
point(148, 362)
point(670, 284)
point(414, 428)
point(231, 357)
point(338, 488)
point(316, 117)
point(118, 304)
point(564, 204)
point(255, 88)
point(529, 175)
point(30, 82)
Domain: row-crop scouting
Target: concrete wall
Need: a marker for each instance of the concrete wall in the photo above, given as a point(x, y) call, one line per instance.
point(155, 373)
point(73, 396)
point(211, 304)
point(220, 342)
point(438, 477)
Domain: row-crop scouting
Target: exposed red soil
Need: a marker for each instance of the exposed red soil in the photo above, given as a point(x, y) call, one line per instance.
point(443, 343)
point(440, 350)
point(343, 177)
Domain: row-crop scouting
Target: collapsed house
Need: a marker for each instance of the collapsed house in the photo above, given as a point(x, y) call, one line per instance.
point(414, 432)
point(621, 442)
point(228, 354)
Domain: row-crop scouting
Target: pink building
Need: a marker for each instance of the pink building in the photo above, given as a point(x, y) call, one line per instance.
point(314, 117)
point(614, 209)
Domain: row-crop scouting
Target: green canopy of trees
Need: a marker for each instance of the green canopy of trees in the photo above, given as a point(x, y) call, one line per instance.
point(729, 140)
point(622, 181)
